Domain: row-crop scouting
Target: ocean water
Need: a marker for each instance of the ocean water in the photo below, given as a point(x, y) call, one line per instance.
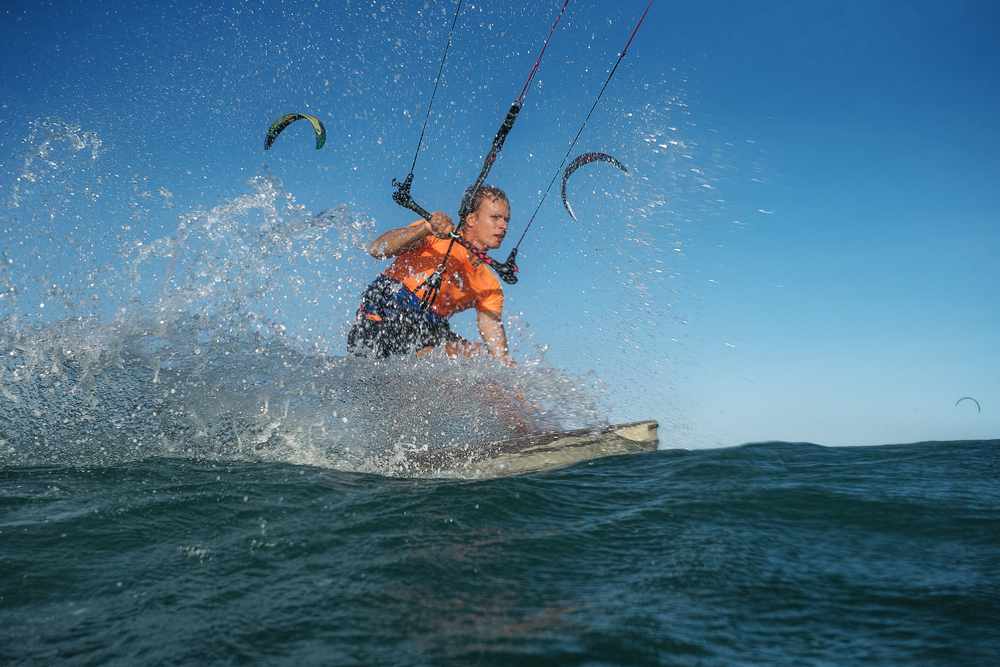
point(772, 553)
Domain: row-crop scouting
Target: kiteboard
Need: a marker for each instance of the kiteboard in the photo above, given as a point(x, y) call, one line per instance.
point(528, 454)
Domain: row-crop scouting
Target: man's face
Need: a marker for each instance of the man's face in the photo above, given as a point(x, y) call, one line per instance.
point(488, 224)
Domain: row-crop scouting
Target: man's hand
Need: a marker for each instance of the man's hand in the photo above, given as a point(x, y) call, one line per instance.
point(439, 225)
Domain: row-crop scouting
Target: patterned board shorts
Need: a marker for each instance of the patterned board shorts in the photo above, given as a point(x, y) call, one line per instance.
point(390, 322)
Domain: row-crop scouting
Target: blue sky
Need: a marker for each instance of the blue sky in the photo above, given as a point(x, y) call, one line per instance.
point(806, 248)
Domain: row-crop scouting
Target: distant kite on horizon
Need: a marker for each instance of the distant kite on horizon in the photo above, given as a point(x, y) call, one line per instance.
point(969, 398)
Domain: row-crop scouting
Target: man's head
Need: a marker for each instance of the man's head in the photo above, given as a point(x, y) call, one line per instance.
point(485, 191)
point(486, 225)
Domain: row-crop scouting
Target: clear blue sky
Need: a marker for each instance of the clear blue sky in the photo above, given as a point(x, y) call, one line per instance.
point(806, 249)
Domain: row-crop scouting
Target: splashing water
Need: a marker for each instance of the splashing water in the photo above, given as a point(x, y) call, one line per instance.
point(196, 344)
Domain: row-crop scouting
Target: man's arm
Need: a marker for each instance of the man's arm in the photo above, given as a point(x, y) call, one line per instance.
point(491, 329)
point(397, 241)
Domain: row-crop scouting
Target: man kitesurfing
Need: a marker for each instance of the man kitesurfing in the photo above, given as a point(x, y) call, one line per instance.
point(440, 269)
point(406, 308)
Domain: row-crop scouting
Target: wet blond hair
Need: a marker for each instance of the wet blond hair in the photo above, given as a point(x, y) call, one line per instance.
point(491, 191)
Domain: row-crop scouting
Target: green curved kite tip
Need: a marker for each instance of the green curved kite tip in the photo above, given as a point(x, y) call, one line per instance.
point(289, 118)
